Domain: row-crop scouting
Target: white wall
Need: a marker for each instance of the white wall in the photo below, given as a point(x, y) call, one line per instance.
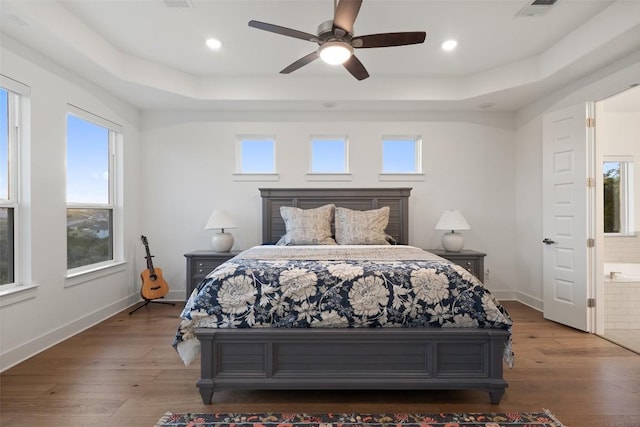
point(54, 311)
point(189, 159)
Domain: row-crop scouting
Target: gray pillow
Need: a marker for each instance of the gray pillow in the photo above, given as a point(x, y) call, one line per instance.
point(307, 226)
point(361, 227)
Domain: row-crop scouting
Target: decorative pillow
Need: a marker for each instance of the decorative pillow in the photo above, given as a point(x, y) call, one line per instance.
point(361, 227)
point(307, 226)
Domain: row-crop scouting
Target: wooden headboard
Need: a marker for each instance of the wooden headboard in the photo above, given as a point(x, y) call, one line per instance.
point(352, 198)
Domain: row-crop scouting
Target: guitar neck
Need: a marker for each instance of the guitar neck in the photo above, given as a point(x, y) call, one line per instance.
point(149, 256)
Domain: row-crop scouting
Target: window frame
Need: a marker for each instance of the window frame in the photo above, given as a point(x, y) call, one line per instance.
point(240, 174)
point(22, 287)
point(626, 200)
point(115, 195)
point(344, 174)
point(417, 174)
point(12, 202)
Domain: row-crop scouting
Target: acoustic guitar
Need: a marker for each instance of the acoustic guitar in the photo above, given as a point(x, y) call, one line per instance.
point(153, 284)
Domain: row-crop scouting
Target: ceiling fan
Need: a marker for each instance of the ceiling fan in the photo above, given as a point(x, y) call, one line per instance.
point(337, 42)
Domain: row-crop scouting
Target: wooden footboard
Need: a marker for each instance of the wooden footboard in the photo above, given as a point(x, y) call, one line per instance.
point(417, 359)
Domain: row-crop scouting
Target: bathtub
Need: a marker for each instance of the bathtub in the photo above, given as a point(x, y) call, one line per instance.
point(621, 272)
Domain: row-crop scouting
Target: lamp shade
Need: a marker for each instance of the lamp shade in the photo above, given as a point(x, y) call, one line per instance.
point(219, 220)
point(452, 220)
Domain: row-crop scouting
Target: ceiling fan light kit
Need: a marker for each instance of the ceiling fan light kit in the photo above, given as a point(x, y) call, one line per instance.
point(336, 40)
point(335, 53)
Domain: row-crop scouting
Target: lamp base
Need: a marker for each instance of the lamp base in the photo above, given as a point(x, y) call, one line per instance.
point(222, 242)
point(452, 241)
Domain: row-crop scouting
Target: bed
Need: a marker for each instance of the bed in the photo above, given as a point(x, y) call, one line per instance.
point(243, 349)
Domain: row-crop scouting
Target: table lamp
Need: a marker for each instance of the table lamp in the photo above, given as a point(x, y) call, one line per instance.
point(452, 220)
point(221, 220)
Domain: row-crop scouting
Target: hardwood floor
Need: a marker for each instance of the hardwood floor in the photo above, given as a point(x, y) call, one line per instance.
point(124, 372)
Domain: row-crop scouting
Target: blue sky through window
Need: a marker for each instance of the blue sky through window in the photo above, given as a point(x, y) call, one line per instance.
point(4, 144)
point(87, 162)
point(328, 155)
point(257, 156)
point(399, 156)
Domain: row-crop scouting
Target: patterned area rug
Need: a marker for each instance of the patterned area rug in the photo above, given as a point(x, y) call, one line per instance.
point(541, 419)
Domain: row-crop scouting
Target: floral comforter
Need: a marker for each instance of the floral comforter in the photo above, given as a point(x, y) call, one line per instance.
point(338, 287)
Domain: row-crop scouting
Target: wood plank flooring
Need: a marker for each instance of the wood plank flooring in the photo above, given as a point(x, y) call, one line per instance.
point(124, 372)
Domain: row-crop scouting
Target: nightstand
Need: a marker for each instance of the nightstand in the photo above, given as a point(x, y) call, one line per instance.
point(200, 263)
point(473, 261)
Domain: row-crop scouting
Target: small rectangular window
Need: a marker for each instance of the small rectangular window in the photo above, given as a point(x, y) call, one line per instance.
point(617, 175)
point(256, 155)
point(329, 154)
point(401, 155)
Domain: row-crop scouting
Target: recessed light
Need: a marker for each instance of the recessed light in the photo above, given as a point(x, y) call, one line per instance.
point(449, 45)
point(214, 44)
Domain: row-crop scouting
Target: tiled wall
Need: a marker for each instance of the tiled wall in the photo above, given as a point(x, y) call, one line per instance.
point(622, 299)
point(622, 305)
point(622, 249)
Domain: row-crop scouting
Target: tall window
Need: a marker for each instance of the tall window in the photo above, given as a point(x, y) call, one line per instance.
point(8, 184)
point(618, 196)
point(329, 154)
point(91, 214)
point(401, 154)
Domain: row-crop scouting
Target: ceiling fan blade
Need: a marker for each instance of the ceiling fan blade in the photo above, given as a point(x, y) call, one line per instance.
point(388, 39)
point(283, 31)
point(301, 62)
point(346, 13)
point(355, 67)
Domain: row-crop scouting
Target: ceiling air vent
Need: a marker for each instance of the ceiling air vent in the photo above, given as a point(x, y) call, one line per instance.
point(178, 3)
point(536, 8)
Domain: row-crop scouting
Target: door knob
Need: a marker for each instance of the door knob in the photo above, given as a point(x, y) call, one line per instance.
point(548, 241)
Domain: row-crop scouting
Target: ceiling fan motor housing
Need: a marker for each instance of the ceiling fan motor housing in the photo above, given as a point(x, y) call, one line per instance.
point(326, 33)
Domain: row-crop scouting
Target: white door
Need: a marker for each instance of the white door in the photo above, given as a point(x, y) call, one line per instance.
point(566, 200)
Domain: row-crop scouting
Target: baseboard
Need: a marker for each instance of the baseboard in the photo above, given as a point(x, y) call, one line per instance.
point(531, 301)
point(41, 343)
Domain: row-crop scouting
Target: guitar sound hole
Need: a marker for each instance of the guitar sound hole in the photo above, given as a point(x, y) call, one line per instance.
point(153, 277)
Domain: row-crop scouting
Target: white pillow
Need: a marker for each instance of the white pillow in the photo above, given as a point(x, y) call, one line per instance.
point(361, 227)
point(307, 226)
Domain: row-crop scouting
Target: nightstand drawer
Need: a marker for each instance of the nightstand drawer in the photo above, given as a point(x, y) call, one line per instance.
point(470, 264)
point(201, 263)
point(472, 261)
point(205, 266)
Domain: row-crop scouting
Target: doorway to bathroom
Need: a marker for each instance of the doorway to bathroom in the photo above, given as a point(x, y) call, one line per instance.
point(617, 136)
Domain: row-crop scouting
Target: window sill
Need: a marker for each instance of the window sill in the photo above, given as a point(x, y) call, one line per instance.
point(12, 294)
point(89, 275)
point(329, 177)
point(401, 177)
